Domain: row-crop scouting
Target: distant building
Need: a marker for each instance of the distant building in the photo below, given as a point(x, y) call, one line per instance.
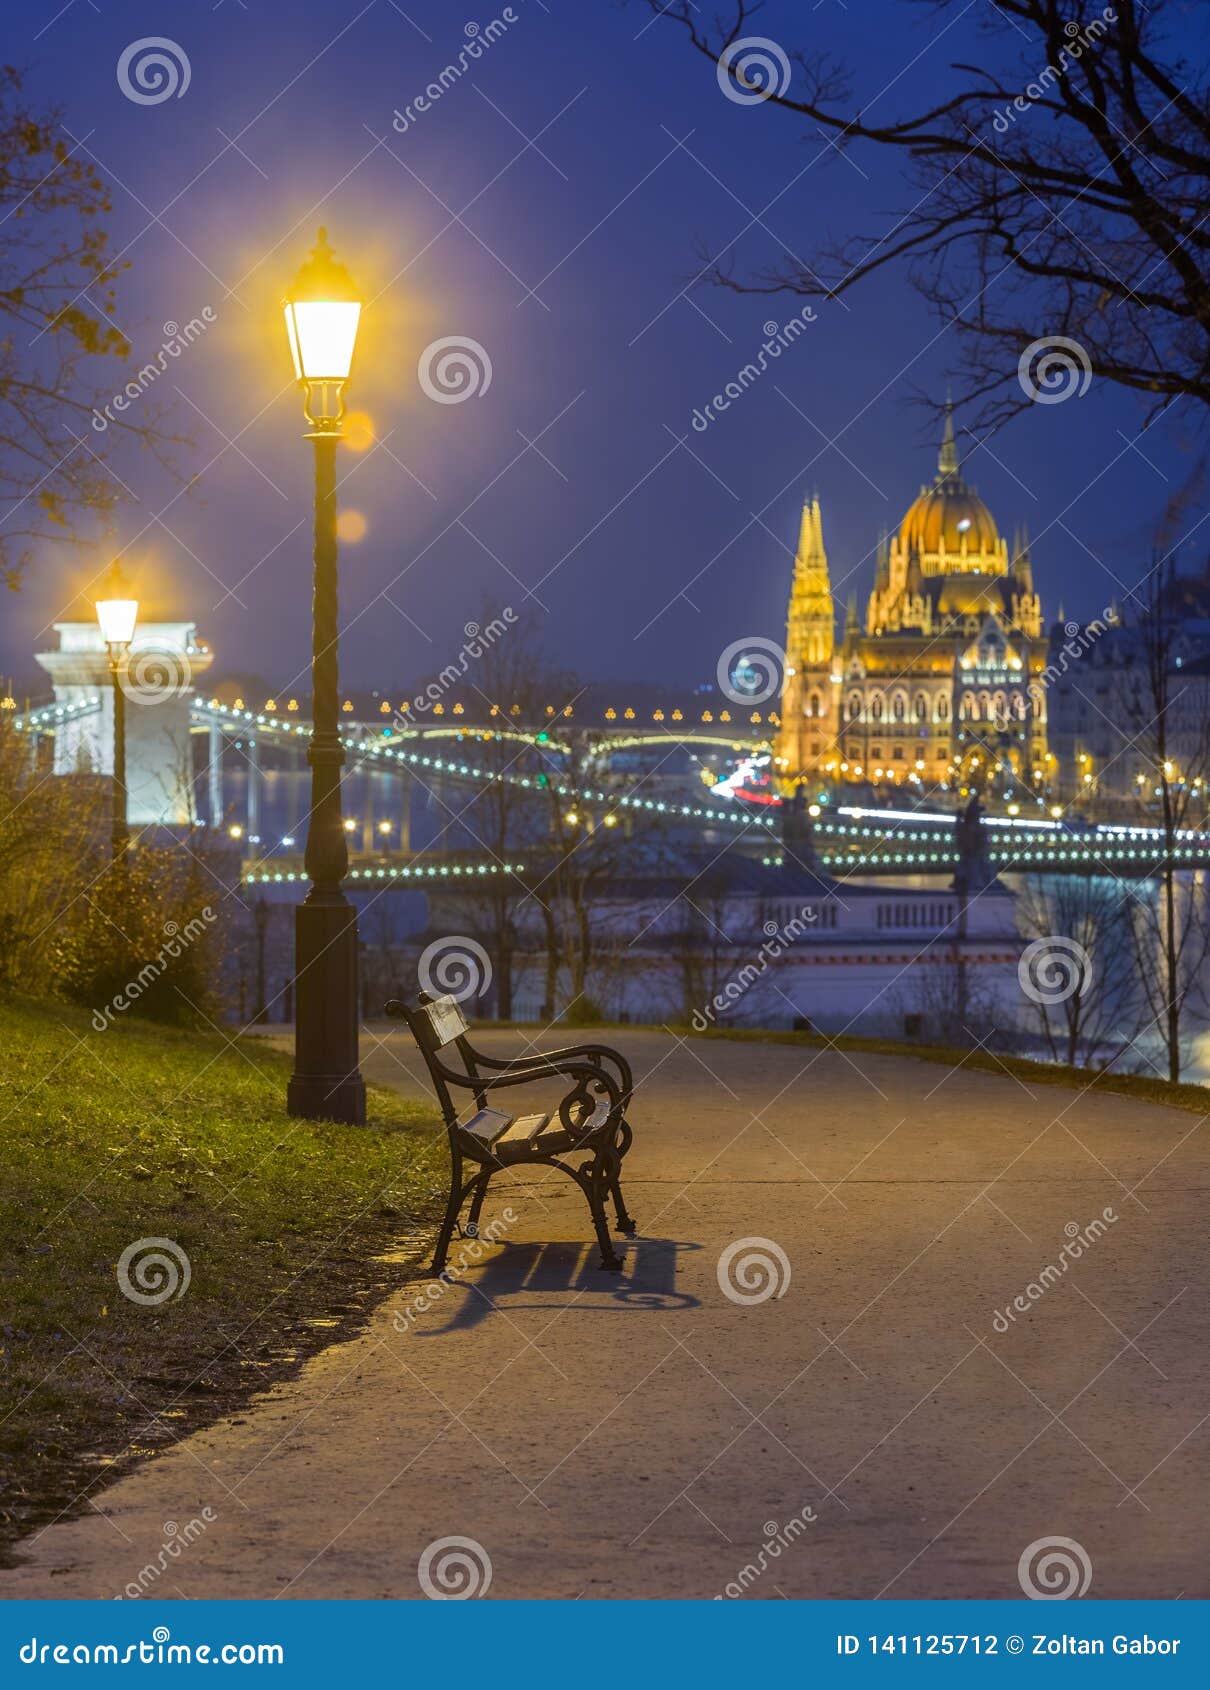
point(164, 661)
point(731, 941)
point(936, 683)
point(1101, 701)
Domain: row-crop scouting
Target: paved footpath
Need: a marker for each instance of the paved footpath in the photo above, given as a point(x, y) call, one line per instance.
point(643, 1436)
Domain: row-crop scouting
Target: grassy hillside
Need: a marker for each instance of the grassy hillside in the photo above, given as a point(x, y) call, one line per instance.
point(144, 1133)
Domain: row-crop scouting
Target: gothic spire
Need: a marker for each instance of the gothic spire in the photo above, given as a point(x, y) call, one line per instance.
point(810, 534)
point(809, 628)
point(947, 458)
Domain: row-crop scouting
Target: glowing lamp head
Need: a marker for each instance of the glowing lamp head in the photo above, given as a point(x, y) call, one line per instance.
point(322, 314)
point(117, 612)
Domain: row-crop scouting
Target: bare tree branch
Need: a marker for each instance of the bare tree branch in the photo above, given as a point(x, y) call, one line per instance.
point(1065, 192)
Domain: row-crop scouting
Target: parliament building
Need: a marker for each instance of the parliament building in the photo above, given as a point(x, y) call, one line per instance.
point(936, 685)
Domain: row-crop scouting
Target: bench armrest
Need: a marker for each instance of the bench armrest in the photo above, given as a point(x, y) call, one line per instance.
point(594, 1092)
point(562, 1060)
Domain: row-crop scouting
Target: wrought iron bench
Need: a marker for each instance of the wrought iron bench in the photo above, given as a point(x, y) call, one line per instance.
point(589, 1120)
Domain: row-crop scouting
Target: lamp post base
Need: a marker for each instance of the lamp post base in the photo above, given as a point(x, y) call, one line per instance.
point(326, 1084)
point(327, 1097)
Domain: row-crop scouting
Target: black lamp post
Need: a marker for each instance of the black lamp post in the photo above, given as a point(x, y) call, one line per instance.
point(117, 613)
point(322, 314)
point(260, 913)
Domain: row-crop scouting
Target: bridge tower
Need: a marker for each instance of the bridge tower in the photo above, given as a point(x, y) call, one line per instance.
point(810, 700)
point(164, 662)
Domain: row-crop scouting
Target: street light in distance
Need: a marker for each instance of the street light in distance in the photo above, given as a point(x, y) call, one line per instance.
point(117, 612)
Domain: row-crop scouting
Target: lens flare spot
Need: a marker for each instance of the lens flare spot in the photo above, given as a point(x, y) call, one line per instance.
point(358, 431)
point(351, 526)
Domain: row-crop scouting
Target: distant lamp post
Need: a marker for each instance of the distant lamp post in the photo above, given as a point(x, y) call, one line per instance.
point(117, 613)
point(322, 315)
point(260, 913)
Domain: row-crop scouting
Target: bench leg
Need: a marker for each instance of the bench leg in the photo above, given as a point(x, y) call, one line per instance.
point(595, 1188)
point(471, 1228)
point(451, 1212)
point(625, 1224)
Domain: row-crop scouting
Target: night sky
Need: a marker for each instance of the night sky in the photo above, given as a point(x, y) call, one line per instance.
point(550, 208)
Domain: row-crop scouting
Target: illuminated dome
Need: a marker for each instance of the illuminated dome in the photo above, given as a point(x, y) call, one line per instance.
point(949, 516)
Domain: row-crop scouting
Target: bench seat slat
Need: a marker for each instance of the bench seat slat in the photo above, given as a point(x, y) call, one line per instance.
point(524, 1129)
point(487, 1125)
point(550, 1143)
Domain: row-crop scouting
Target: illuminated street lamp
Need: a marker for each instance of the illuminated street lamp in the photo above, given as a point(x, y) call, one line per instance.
point(322, 315)
point(117, 613)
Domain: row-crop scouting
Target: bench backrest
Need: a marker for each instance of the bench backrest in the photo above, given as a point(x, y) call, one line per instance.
point(439, 1022)
point(436, 1023)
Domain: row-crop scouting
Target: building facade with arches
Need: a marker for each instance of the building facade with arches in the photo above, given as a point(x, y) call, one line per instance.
point(942, 681)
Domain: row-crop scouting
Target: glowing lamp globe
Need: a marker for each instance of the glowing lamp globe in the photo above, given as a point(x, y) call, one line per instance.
point(117, 612)
point(322, 313)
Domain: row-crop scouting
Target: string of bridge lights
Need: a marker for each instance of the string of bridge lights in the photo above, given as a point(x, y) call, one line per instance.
point(416, 872)
point(552, 713)
point(928, 835)
point(388, 753)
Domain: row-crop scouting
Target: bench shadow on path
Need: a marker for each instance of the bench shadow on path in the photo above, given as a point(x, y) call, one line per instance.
point(518, 1276)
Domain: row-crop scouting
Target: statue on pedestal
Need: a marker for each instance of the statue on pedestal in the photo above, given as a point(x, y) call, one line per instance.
point(974, 872)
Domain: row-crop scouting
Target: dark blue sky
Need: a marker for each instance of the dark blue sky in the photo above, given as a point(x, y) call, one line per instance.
point(647, 557)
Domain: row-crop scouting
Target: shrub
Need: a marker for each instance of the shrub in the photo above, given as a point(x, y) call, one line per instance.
point(146, 938)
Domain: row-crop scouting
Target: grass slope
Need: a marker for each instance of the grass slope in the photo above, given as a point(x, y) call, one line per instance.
point(142, 1132)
